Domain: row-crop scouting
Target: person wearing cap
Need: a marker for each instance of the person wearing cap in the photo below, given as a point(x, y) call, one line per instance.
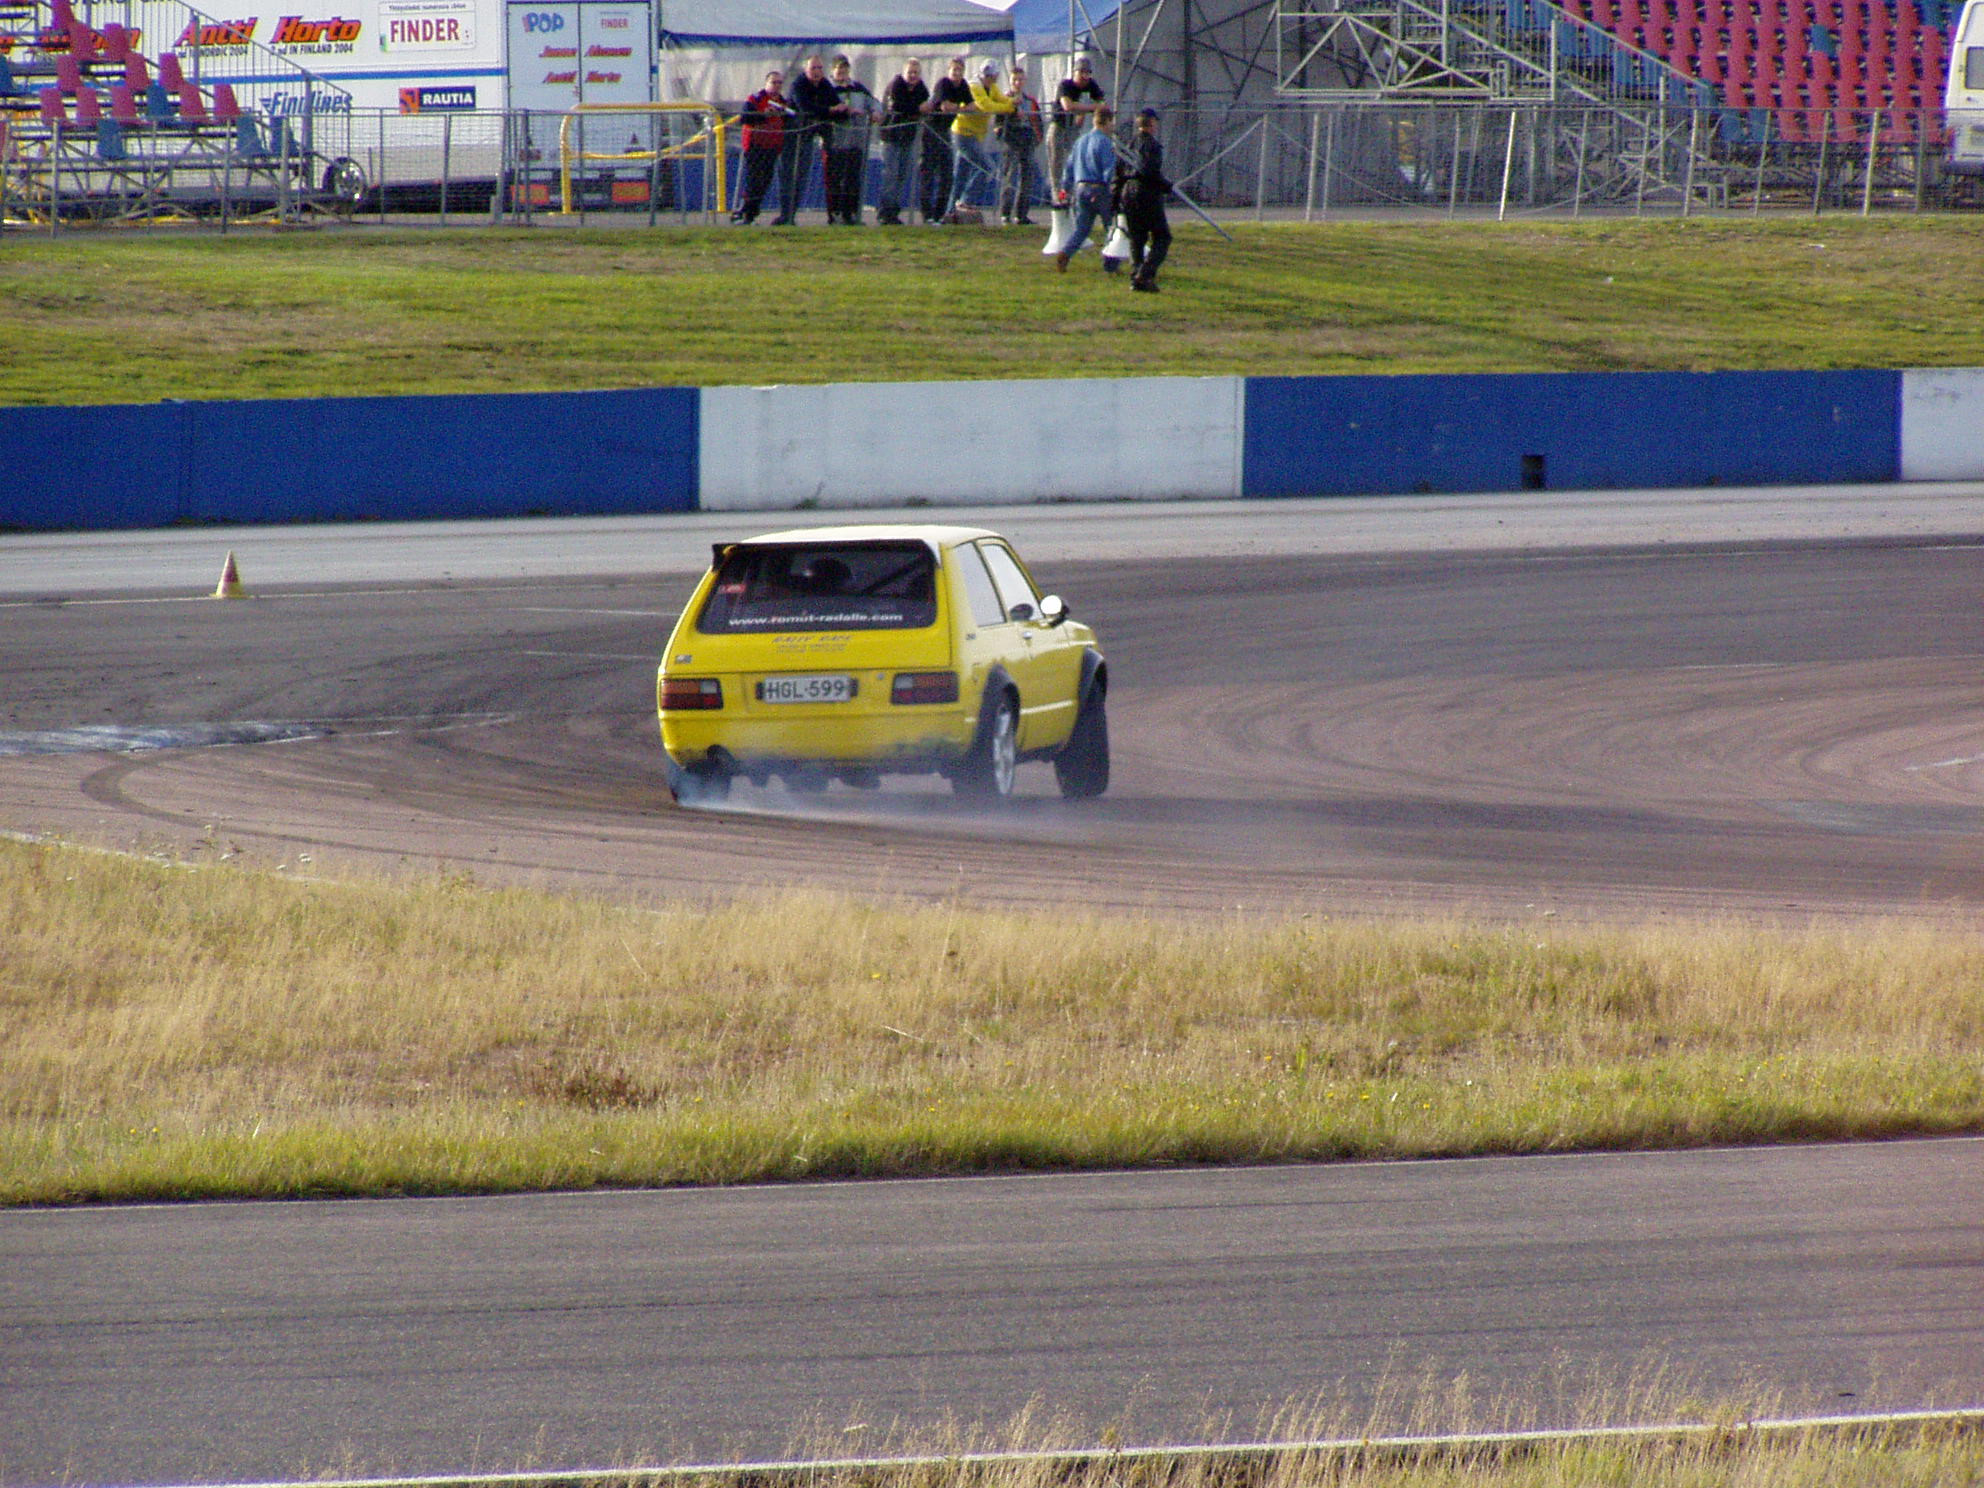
point(1020, 132)
point(976, 174)
point(1141, 187)
point(1075, 103)
point(847, 143)
point(950, 97)
point(1089, 180)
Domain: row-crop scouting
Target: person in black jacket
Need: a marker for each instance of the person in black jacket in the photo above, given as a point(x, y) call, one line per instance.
point(1141, 187)
point(814, 98)
point(948, 99)
point(902, 120)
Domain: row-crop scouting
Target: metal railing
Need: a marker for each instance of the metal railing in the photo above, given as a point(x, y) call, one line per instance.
point(1314, 161)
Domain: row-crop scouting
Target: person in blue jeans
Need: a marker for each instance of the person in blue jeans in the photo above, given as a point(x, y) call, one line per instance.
point(903, 103)
point(1090, 181)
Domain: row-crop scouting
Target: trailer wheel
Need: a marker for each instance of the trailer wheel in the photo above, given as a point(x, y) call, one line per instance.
point(344, 183)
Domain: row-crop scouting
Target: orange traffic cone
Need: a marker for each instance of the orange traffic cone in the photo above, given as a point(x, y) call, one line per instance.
point(229, 586)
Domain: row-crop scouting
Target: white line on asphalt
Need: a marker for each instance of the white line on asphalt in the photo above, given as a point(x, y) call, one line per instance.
point(1968, 759)
point(1732, 1430)
point(572, 610)
point(646, 657)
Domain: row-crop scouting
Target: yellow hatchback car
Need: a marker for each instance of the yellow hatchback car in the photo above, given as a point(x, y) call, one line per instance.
point(847, 653)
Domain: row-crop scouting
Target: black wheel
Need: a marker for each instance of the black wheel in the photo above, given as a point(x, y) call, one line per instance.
point(698, 785)
point(1082, 766)
point(987, 773)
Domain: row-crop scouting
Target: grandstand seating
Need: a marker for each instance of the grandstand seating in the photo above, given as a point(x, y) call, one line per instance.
point(1805, 70)
point(92, 127)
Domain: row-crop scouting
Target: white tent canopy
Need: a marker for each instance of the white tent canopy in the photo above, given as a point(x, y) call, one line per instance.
point(798, 22)
point(720, 50)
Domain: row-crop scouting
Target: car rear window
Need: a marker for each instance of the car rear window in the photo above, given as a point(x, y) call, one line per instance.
point(822, 586)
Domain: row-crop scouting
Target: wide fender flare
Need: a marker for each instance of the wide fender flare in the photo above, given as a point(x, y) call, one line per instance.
point(996, 681)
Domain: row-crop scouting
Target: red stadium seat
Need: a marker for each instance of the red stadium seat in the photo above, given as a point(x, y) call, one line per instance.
point(123, 103)
point(226, 106)
point(89, 108)
point(192, 106)
point(169, 71)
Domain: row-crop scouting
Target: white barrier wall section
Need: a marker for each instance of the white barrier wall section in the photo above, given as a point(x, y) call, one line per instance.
point(884, 444)
point(1942, 425)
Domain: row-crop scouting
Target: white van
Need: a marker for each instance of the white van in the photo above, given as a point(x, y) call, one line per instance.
point(1963, 102)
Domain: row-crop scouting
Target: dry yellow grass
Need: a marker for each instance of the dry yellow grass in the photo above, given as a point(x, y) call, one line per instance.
point(176, 1032)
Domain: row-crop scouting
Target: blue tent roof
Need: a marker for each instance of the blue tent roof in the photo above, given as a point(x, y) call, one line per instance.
point(1042, 25)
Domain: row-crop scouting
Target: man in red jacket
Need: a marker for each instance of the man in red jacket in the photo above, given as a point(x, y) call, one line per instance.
point(767, 117)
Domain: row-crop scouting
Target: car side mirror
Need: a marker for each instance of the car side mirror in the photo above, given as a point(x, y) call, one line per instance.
point(1053, 609)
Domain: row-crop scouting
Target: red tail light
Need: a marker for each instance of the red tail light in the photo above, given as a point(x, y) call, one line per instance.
point(924, 687)
point(691, 692)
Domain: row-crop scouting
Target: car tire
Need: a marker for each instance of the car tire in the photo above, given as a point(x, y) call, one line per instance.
point(987, 772)
point(698, 785)
point(1082, 766)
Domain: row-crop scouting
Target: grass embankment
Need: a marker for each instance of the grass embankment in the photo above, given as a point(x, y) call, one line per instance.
point(170, 1033)
point(103, 317)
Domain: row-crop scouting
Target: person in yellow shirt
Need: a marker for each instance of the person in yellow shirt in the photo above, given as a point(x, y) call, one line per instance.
point(970, 130)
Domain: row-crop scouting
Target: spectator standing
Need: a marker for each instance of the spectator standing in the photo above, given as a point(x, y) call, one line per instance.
point(767, 115)
point(902, 122)
point(1141, 190)
point(813, 100)
point(948, 99)
point(971, 133)
point(847, 144)
point(1089, 179)
point(1020, 134)
point(1075, 103)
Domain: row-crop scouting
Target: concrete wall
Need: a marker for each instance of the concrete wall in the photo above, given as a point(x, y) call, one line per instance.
point(1942, 425)
point(883, 444)
point(887, 444)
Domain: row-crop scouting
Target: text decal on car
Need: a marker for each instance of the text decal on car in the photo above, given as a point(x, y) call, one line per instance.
point(808, 689)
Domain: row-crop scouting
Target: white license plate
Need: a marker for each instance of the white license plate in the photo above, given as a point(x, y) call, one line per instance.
point(822, 689)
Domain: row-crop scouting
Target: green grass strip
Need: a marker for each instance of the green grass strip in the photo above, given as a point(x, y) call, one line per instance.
point(115, 318)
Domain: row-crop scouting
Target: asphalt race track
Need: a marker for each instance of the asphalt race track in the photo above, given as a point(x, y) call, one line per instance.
point(1716, 704)
point(273, 1341)
point(1773, 726)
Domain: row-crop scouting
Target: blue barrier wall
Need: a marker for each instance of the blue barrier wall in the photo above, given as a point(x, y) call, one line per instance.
point(332, 459)
point(1331, 436)
point(586, 454)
